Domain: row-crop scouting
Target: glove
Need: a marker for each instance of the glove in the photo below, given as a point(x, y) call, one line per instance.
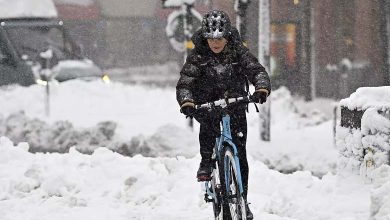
point(260, 96)
point(188, 108)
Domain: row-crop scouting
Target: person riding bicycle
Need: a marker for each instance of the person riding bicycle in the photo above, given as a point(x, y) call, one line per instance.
point(219, 67)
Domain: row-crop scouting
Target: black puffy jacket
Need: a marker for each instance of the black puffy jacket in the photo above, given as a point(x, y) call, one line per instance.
point(207, 76)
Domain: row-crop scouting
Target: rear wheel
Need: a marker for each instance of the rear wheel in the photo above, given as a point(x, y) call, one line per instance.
point(235, 202)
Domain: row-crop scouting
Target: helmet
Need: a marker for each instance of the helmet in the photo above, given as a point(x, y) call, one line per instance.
point(215, 24)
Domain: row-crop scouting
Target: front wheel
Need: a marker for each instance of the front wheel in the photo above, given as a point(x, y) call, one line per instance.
point(217, 199)
point(233, 182)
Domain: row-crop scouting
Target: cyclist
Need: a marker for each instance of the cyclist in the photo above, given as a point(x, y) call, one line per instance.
point(219, 67)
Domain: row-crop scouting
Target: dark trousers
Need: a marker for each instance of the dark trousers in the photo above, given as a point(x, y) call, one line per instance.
point(209, 129)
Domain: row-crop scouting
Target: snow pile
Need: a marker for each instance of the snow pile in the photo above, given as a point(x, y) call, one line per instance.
point(350, 149)
point(178, 3)
point(106, 185)
point(74, 185)
point(366, 97)
point(148, 122)
point(301, 136)
point(365, 151)
point(58, 137)
point(294, 116)
point(375, 139)
point(168, 141)
point(27, 9)
point(362, 150)
point(302, 196)
point(62, 135)
point(380, 196)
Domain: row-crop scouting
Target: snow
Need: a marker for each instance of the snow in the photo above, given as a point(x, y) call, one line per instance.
point(295, 176)
point(364, 151)
point(75, 2)
point(140, 117)
point(106, 185)
point(27, 9)
point(177, 3)
point(366, 97)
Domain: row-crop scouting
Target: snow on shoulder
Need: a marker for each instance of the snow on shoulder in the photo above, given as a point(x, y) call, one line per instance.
point(366, 97)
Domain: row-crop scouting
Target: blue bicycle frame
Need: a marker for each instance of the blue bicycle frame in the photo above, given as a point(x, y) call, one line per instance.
point(226, 137)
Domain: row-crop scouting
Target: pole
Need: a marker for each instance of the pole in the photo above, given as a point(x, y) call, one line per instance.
point(313, 85)
point(47, 109)
point(46, 75)
point(387, 12)
point(241, 6)
point(187, 27)
point(264, 57)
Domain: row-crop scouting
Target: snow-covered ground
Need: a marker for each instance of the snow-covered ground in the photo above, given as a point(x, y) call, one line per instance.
point(141, 119)
point(158, 180)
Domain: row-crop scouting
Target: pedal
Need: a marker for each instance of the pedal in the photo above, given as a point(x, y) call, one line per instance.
point(207, 198)
point(204, 178)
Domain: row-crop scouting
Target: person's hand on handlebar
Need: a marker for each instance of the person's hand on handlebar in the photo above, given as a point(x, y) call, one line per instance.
point(260, 96)
point(187, 108)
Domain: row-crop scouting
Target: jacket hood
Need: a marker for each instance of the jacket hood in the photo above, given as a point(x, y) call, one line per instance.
point(234, 41)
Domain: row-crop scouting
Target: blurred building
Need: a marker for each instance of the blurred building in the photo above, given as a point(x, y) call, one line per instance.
point(324, 48)
point(350, 35)
point(340, 45)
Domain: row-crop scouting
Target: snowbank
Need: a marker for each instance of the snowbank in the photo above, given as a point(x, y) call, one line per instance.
point(146, 120)
point(301, 135)
point(366, 97)
point(363, 149)
point(380, 199)
point(60, 136)
point(177, 3)
point(106, 185)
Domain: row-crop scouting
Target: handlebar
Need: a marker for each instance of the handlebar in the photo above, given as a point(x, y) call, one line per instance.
point(223, 103)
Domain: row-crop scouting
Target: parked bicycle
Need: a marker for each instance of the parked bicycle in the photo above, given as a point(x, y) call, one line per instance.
point(225, 189)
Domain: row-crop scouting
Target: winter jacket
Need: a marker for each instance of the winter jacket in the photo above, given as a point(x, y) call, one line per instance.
point(207, 77)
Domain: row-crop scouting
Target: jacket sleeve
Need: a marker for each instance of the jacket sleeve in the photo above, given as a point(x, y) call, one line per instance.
point(255, 72)
point(188, 75)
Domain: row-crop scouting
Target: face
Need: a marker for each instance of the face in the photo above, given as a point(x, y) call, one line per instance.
point(217, 45)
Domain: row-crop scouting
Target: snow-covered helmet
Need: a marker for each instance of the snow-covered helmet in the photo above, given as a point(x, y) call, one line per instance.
point(215, 24)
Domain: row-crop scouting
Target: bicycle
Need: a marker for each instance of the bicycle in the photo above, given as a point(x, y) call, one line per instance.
point(225, 189)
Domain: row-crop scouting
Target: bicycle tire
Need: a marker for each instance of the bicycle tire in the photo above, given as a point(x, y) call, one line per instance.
point(234, 203)
point(217, 200)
